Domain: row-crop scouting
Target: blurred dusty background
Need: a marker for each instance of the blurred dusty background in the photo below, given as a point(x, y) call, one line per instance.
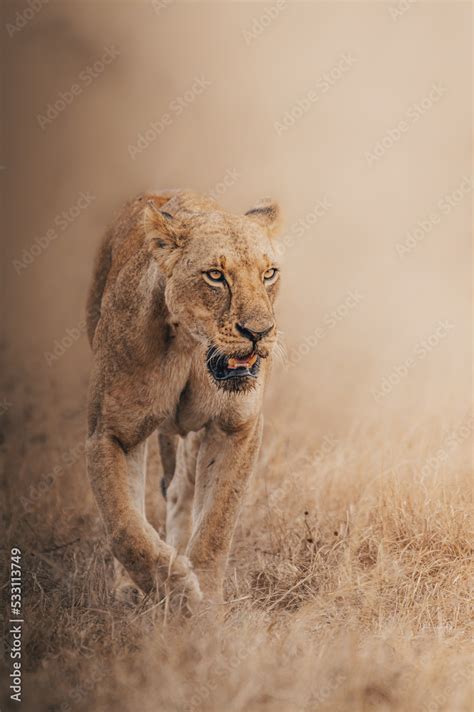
point(355, 116)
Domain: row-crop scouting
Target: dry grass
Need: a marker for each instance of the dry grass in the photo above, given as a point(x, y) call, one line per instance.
point(348, 588)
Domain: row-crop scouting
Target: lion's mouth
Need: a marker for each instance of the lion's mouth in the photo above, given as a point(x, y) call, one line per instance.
point(224, 367)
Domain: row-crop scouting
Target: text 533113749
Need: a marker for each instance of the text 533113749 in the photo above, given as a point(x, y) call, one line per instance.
point(16, 623)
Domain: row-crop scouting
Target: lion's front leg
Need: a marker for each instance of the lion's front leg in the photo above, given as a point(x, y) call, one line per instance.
point(125, 590)
point(151, 563)
point(180, 492)
point(224, 464)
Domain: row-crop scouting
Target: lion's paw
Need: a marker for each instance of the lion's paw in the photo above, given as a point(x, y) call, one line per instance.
point(182, 586)
point(128, 594)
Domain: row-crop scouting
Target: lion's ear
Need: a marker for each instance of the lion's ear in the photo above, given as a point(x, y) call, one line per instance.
point(163, 235)
point(267, 214)
point(161, 228)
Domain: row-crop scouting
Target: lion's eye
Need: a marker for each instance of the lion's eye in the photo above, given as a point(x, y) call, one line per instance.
point(270, 275)
point(214, 276)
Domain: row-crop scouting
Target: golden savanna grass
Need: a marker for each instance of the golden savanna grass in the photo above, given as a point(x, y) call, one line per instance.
point(348, 587)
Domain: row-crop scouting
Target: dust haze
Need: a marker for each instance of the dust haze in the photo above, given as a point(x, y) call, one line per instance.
point(356, 117)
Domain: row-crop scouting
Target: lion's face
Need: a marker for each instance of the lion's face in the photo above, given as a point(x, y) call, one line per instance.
point(222, 280)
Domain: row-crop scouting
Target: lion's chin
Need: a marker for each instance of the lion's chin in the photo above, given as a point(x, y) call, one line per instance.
point(236, 374)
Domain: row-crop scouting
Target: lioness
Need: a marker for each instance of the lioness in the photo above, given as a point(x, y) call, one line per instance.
point(181, 323)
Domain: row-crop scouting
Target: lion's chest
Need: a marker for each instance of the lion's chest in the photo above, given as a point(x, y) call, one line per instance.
point(138, 402)
point(176, 396)
point(197, 402)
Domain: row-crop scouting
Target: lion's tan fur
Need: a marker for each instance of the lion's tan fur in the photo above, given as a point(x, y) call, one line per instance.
point(151, 318)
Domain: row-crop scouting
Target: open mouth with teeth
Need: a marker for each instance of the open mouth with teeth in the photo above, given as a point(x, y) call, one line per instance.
point(225, 368)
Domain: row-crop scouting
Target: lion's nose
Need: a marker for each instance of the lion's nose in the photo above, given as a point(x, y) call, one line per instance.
point(254, 331)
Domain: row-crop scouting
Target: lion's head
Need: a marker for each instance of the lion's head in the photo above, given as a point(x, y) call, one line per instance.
point(222, 277)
